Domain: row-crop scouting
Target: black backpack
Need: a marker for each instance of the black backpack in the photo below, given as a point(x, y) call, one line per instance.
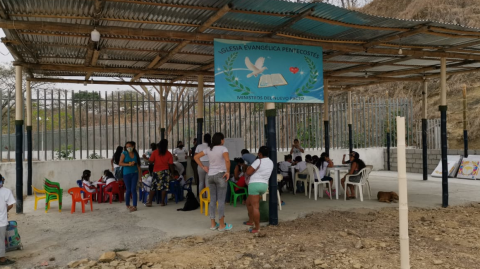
point(191, 203)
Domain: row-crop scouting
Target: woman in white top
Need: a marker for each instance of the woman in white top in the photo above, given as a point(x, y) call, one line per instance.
point(259, 172)
point(181, 155)
point(202, 175)
point(218, 175)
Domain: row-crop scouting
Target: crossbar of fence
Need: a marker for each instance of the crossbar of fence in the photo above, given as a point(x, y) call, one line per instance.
point(72, 125)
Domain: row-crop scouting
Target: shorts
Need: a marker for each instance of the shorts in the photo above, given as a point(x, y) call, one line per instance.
point(161, 180)
point(327, 178)
point(355, 179)
point(257, 188)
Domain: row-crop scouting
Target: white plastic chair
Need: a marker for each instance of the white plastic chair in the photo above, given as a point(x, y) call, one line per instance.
point(264, 196)
point(315, 184)
point(371, 169)
point(359, 185)
point(304, 180)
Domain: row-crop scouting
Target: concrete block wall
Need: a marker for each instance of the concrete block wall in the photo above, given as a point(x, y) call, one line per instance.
point(415, 159)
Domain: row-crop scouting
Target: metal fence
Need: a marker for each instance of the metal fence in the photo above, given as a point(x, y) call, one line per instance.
point(433, 134)
point(68, 125)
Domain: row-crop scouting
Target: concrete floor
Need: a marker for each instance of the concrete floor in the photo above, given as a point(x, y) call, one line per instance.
point(68, 237)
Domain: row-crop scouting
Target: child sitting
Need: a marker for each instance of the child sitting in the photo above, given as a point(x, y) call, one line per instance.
point(179, 178)
point(108, 178)
point(87, 185)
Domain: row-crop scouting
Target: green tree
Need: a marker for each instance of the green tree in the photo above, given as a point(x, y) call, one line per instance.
point(83, 96)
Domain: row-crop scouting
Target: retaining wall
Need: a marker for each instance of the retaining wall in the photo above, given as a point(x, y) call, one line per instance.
point(415, 159)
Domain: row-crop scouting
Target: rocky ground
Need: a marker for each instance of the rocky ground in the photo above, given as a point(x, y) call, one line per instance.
point(363, 238)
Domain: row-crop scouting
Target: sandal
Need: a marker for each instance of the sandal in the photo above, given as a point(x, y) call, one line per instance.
point(248, 223)
point(216, 226)
point(228, 227)
point(133, 209)
point(253, 231)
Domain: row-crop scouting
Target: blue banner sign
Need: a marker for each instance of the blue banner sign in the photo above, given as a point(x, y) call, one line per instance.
point(267, 72)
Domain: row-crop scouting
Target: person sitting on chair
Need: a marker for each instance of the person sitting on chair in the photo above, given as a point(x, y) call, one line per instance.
point(300, 166)
point(238, 178)
point(89, 186)
point(357, 166)
point(284, 170)
point(248, 157)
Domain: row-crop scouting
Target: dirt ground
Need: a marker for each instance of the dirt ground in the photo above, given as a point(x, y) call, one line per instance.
point(362, 238)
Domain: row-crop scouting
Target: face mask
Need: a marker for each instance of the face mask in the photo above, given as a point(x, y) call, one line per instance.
point(129, 149)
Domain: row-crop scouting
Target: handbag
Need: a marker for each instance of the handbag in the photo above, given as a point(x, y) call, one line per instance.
point(247, 178)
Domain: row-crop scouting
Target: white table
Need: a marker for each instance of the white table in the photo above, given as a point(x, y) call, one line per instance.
point(336, 178)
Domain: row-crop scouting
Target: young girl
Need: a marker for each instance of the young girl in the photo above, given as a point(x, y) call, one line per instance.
point(89, 186)
point(322, 164)
point(108, 178)
point(357, 165)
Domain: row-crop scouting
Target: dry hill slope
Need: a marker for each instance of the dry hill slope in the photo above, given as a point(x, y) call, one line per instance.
point(464, 12)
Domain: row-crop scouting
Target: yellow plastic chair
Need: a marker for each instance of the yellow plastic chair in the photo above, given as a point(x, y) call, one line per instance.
point(205, 201)
point(38, 197)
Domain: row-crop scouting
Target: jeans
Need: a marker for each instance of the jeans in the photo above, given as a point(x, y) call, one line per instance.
point(3, 231)
point(218, 192)
point(131, 181)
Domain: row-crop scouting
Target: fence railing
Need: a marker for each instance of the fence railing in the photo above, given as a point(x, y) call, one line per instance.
point(433, 134)
point(67, 124)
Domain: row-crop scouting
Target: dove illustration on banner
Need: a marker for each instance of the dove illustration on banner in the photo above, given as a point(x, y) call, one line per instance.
point(256, 69)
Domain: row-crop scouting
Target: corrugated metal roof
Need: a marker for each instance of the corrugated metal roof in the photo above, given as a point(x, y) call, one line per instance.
point(246, 18)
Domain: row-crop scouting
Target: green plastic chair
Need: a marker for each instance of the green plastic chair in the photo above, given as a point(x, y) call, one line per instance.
point(53, 193)
point(234, 195)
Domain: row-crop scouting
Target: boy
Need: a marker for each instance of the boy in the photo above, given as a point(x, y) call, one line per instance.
point(6, 203)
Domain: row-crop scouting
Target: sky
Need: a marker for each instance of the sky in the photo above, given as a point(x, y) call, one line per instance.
point(6, 58)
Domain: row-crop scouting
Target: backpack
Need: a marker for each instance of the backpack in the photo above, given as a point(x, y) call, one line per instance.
point(191, 203)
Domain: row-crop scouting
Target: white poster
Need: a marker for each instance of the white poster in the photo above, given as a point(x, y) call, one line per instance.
point(234, 146)
point(453, 163)
point(469, 167)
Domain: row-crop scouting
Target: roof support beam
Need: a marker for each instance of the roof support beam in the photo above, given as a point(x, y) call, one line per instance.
point(104, 82)
point(293, 40)
point(290, 22)
point(92, 54)
point(158, 61)
point(421, 70)
point(86, 69)
point(95, 55)
point(340, 79)
point(365, 66)
point(204, 68)
point(388, 38)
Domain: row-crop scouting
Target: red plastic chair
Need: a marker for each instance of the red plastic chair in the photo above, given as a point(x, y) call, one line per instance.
point(76, 194)
point(115, 190)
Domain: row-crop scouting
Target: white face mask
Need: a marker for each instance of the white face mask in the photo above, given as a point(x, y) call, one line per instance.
point(129, 149)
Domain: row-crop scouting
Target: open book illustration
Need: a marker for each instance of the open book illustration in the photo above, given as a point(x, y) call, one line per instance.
point(271, 81)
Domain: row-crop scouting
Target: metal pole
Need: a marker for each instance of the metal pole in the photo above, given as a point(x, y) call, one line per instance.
point(465, 123)
point(29, 138)
point(19, 138)
point(424, 129)
point(162, 114)
point(443, 127)
point(272, 145)
point(350, 134)
point(199, 116)
point(387, 107)
point(326, 117)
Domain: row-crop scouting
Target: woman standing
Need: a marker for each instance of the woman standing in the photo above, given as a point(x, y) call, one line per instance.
point(207, 141)
point(356, 165)
point(116, 168)
point(132, 173)
point(218, 174)
point(163, 166)
point(259, 173)
point(181, 156)
point(296, 150)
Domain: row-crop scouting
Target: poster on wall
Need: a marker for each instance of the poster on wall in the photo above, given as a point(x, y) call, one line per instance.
point(469, 167)
point(267, 72)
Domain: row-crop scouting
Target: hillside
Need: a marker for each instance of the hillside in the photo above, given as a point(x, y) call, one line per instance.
point(464, 12)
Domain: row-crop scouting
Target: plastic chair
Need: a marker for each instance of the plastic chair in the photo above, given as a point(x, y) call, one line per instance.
point(187, 187)
point(115, 190)
point(76, 194)
point(94, 194)
point(38, 197)
point(204, 201)
point(359, 185)
point(316, 184)
point(173, 188)
point(235, 195)
point(53, 193)
point(304, 180)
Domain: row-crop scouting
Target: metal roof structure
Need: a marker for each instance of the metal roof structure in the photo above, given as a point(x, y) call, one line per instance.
point(172, 40)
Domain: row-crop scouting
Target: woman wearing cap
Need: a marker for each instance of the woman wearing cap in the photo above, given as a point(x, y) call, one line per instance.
point(356, 165)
